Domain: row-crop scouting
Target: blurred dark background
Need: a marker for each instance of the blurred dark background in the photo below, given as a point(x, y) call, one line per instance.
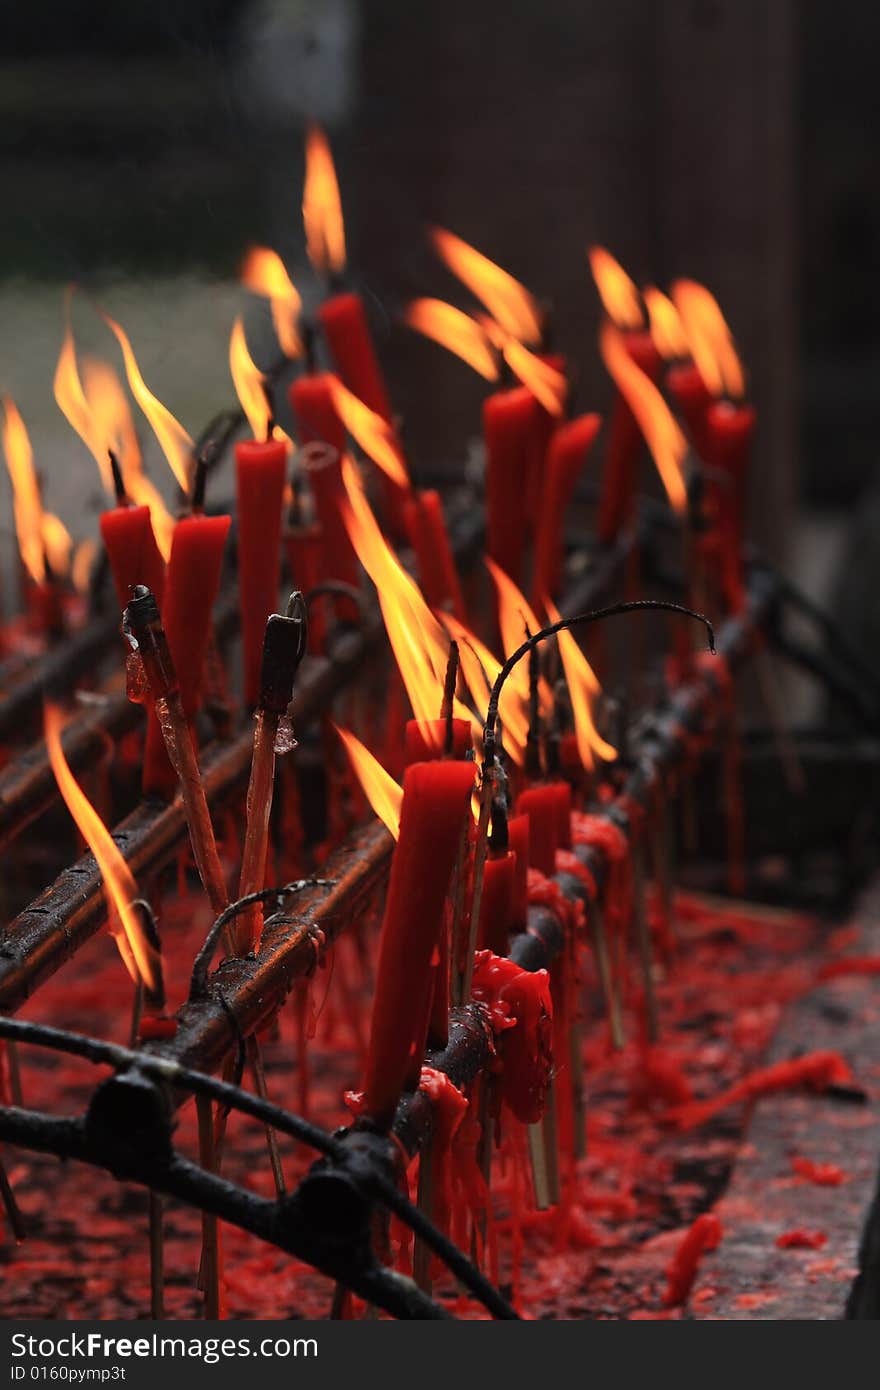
point(144, 145)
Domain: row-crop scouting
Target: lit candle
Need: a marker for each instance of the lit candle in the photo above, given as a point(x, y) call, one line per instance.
point(566, 455)
point(497, 902)
point(425, 740)
point(435, 802)
point(621, 302)
point(131, 548)
point(512, 433)
point(518, 840)
point(729, 431)
point(191, 587)
point(311, 400)
point(541, 805)
point(260, 468)
point(322, 465)
point(429, 538)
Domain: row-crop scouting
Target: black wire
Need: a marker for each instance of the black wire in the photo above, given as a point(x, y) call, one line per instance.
point(234, 1098)
point(166, 1069)
point(531, 643)
point(199, 979)
point(464, 1270)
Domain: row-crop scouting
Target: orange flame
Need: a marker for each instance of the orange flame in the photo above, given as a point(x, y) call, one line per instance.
point(455, 331)
point(514, 616)
point(97, 408)
point(140, 957)
point(583, 688)
point(667, 329)
point(543, 380)
point(383, 793)
point(418, 642)
point(263, 273)
point(618, 294)
point(175, 443)
point(662, 435)
point(710, 339)
point(83, 562)
point(321, 206)
point(375, 436)
point(27, 505)
point(249, 382)
point(509, 302)
point(57, 544)
point(480, 669)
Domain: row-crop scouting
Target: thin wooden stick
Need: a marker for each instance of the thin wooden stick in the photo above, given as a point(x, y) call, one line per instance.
point(210, 1228)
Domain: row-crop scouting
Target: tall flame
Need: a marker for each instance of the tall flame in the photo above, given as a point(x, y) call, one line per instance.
point(419, 644)
point(97, 408)
point(543, 380)
point(27, 506)
point(140, 957)
point(509, 302)
point(57, 544)
point(583, 688)
point(83, 562)
point(514, 616)
point(249, 382)
point(175, 443)
point(480, 669)
point(667, 329)
point(374, 435)
point(321, 206)
point(454, 330)
point(383, 793)
point(618, 294)
point(662, 435)
point(263, 273)
point(710, 339)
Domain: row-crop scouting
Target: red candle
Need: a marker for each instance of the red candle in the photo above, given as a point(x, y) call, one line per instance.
point(566, 456)
point(132, 551)
point(692, 398)
point(348, 336)
point(624, 442)
point(546, 424)
point(729, 431)
point(311, 400)
point(322, 466)
point(191, 587)
point(435, 802)
point(512, 430)
point(497, 903)
point(426, 528)
point(518, 840)
point(562, 797)
point(304, 547)
point(541, 804)
point(260, 470)
point(425, 740)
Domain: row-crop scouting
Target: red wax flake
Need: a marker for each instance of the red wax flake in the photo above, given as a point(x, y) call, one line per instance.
point(704, 1234)
point(521, 1011)
point(754, 1300)
point(818, 1070)
point(154, 1028)
point(850, 965)
point(822, 1174)
point(801, 1239)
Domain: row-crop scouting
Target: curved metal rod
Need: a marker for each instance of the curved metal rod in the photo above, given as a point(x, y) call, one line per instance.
point(270, 1221)
point(199, 979)
point(162, 1068)
point(531, 644)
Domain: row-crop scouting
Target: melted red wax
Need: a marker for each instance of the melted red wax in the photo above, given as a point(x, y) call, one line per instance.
point(521, 1013)
point(449, 1108)
point(822, 1174)
point(801, 1239)
point(86, 1255)
point(817, 1070)
point(850, 965)
point(704, 1234)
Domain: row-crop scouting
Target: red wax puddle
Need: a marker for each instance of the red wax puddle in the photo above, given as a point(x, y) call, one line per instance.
point(628, 1207)
point(703, 1235)
point(802, 1240)
point(822, 1174)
